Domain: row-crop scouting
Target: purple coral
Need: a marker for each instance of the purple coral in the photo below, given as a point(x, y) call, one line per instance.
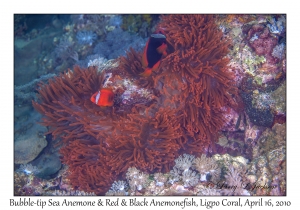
point(86, 37)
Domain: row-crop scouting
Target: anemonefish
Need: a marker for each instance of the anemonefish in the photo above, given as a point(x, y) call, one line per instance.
point(103, 97)
point(155, 48)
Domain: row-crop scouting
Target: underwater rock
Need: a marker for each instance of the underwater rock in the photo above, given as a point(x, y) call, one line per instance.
point(21, 111)
point(28, 149)
point(257, 117)
point(47, 164)
point(260, 118)
point(279, 99)
point(269, 164)
point(24, 56)
point(226, 159)
point(271, 140)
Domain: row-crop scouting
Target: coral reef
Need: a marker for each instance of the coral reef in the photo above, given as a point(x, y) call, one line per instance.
point(118, 188)
point(27, 169)
point(117, 42)
point(160, 179)
point(30, 184)
point(184, 162)
point(90, 22)
point(98, 62)
point(269, 163)
point(278, 97)
point(234, 178)
point(148, 136)
point(176, 131)
point(237, 179)
point(257, 116)
point(86, 37)
point(141, 24)
point(116, 20)
point(136, 179)
point(207, 166)
point(190, 178)
point(70, 193)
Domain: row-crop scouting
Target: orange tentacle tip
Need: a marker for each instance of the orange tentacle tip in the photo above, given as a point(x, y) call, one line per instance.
point(103, 97)
point(162, 48)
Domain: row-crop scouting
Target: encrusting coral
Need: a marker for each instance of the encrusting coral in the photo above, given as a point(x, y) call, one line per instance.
point(191, 89)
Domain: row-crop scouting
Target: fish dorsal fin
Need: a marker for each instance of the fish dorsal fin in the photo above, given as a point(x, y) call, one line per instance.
point(158, 36)
point(144, 57)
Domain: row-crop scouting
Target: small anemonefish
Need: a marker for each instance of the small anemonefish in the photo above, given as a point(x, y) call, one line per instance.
point(156, 47)
point(103, 97)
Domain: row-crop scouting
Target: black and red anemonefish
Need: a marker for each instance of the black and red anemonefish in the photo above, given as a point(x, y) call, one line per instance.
point(103, 97)
point(155, 48)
